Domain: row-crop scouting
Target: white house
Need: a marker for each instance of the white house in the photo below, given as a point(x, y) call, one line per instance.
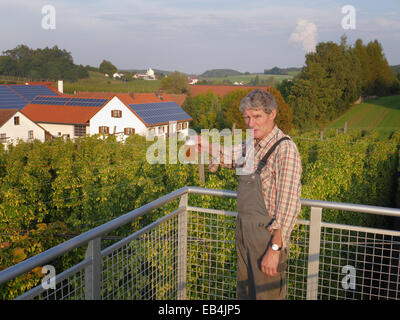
point(118, 75)
point(15, 126)
point(158, 119)
point(148, 76)
point(113, 115)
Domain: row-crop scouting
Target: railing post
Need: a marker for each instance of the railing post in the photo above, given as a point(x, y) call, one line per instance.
point(93, 271)
point(182, 248)
point(313, 253)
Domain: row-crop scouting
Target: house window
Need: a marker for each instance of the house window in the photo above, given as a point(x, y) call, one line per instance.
point(79, 130)
point(161, 129)
point(16, 121)
point(104, 129)
point(184, 125)
point(3, 138)
point(179, 126)
point(30, 134)
point(116, 113)
point(129, 131)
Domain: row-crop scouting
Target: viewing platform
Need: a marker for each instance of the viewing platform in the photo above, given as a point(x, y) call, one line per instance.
point(189, 254)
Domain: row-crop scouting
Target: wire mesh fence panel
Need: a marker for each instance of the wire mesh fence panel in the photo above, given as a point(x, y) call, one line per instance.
point(71, 288)
point(144, 268)
point(359, 265)
point(296, 271)
point(211, 265)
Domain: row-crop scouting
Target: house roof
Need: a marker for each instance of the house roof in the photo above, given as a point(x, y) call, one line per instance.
point(178, 98)
point(18, 96)
point(6, 114)
point(218, 90)
point(158, 113)
point(59, 114)
point(127, 98)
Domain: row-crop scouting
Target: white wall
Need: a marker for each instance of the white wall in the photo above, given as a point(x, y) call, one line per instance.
point(58, 130)
point(128, 119)
point(21, 132)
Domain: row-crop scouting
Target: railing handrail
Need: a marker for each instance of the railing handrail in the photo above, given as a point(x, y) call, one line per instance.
point(52, 253)
point(48, 255)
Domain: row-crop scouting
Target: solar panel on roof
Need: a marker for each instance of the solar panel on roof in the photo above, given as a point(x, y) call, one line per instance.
point(31, 91)
point(50, 100)
point(10, 100)
point(161, 112)
point(86, 102)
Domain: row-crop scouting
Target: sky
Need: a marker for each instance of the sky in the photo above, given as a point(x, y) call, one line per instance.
point(193, 36)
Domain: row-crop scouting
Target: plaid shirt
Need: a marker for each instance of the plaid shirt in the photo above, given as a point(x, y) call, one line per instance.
point(280, 177)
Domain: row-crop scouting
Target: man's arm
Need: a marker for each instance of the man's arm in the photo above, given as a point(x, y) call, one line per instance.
point(287, 205)
point(220, 156)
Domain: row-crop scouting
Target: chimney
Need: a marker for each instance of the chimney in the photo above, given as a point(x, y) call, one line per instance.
point(132, 95)
point(159, 94)
point(60, 86)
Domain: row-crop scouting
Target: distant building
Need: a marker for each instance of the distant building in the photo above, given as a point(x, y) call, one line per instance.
point(118, 114)
point(118, 75)
point(15, 126)
point(149, 75)
point(193, 80)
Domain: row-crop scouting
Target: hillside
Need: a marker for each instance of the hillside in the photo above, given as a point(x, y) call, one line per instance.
point(282, 71)
point(395, 68)
point(218, 73)
point(381, 114)
point(98, 82)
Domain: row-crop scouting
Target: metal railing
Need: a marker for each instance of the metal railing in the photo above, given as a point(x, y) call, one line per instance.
point(190, 254)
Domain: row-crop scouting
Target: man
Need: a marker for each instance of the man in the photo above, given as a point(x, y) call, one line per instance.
point(268, 199)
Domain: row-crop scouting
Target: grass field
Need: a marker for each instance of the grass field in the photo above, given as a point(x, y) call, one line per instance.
point(247, 78)
point(382, 114)
point(98, 82)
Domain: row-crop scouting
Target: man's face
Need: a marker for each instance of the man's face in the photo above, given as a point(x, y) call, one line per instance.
point(261, 122)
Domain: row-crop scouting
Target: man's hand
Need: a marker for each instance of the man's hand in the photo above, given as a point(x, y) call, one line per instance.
point(203, 144)
point(270, 261)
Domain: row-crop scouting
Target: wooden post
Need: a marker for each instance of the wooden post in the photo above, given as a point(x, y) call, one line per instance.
point(345, 127)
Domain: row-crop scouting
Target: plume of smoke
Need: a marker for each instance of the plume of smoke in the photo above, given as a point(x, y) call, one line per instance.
point(305, 35)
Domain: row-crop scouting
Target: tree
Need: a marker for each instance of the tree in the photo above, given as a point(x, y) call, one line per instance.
point(106, 67)
point(205, 110)
point(232, 114)
point(230, 108)
point(41, 64)
point(175, 82)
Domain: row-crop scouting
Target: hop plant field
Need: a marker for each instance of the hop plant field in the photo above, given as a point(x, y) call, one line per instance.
point(54, 189)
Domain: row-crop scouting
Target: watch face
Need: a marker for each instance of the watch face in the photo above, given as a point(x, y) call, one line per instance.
point(275, 247)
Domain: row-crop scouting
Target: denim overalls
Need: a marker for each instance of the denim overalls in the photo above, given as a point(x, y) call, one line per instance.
point(253, 240)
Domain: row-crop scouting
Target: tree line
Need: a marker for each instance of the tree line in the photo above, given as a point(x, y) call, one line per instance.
point(41, 64)
point(334, 77)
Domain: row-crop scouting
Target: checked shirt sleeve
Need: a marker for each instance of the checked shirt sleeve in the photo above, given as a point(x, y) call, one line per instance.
point(288, 190)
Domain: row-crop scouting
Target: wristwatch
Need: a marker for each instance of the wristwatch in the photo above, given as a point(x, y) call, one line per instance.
point(275, 247)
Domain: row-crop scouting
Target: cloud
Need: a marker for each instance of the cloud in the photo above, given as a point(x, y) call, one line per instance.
point(305, 35)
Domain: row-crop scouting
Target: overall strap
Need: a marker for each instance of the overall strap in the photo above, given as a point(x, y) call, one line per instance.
point(264, 160)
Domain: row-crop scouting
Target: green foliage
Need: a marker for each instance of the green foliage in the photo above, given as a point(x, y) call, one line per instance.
point(205, 110)
point(333, 78)
point(51, 189)
point(219, 73)
point(41, 64)
point(106, 67)
point(175, 82)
